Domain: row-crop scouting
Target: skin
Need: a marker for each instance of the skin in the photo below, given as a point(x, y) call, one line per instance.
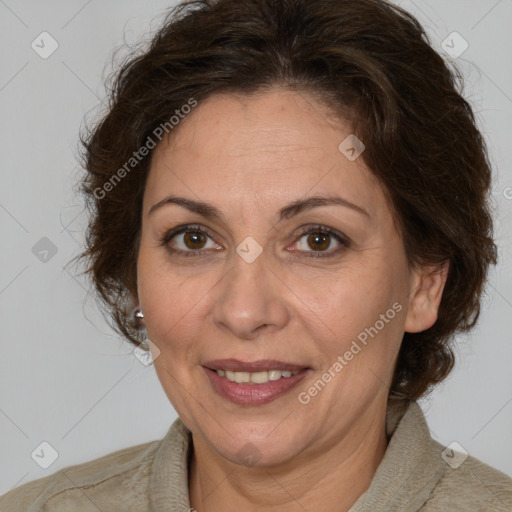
point(249, 157)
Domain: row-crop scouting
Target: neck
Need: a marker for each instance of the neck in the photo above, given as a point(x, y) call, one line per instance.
point(329, 478)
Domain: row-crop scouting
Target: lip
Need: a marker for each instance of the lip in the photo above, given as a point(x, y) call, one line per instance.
point(236, 365)
point(254, 394)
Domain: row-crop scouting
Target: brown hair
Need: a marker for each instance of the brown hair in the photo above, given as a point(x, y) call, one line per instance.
point(368, 60)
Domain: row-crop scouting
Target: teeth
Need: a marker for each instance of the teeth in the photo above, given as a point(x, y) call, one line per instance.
point(255, 377)
point(274, 375)
point(259, 377)
point(242, 377)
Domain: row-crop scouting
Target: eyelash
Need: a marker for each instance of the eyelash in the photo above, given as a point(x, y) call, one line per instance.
point(168, 236)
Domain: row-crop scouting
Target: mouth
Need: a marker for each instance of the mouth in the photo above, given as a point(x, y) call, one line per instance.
point(253, 383)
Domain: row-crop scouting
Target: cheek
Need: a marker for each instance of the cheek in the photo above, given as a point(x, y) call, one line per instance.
point(362, 319)
point(349, 300)
point(173, 300)
point(367, 325)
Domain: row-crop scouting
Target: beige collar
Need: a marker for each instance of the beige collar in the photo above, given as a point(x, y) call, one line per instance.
point(404, 480)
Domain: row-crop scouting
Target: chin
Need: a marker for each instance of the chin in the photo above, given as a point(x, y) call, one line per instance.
point(264, 454)
point(255, 444)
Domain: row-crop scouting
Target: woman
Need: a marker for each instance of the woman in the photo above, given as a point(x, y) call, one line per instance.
point(279, 204)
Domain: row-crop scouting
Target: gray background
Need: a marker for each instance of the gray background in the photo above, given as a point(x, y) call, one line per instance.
point(65, 377)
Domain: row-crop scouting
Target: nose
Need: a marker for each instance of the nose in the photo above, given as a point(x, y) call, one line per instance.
point(252, 300)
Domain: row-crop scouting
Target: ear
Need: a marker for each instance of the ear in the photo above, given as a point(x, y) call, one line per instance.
point(426, 292)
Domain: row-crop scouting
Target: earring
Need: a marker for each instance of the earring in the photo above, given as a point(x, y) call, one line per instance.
point(138, 318)
point(142, 353)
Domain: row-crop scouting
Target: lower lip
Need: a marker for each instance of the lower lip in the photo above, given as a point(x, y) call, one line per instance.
point(253, 394)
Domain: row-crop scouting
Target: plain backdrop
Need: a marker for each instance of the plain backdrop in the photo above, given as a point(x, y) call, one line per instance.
point(66, 378)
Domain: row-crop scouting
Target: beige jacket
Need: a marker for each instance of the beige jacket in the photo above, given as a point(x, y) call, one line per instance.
point(412, 476)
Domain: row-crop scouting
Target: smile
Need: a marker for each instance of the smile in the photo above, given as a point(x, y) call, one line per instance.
point(253, 383)
point(256, 377)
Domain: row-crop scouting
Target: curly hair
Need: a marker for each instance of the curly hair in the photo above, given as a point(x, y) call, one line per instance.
point(368, 61)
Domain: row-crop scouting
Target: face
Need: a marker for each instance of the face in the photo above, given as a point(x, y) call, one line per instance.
point(240, 270)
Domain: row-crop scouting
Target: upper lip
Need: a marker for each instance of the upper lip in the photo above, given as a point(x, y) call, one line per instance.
point(235, 365)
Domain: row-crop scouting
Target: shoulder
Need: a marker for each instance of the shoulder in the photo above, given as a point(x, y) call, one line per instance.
point(418, 473)
point(472, 485)
point(113, 479)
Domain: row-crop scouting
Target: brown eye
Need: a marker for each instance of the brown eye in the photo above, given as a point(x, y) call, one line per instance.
point(194, 239)
point(189, 241)
point(319, 241)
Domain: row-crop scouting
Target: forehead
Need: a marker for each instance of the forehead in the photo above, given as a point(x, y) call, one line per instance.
point(274, 143)
point(279, 121)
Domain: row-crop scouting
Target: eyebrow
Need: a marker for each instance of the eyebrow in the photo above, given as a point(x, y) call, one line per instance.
point(300, 205)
